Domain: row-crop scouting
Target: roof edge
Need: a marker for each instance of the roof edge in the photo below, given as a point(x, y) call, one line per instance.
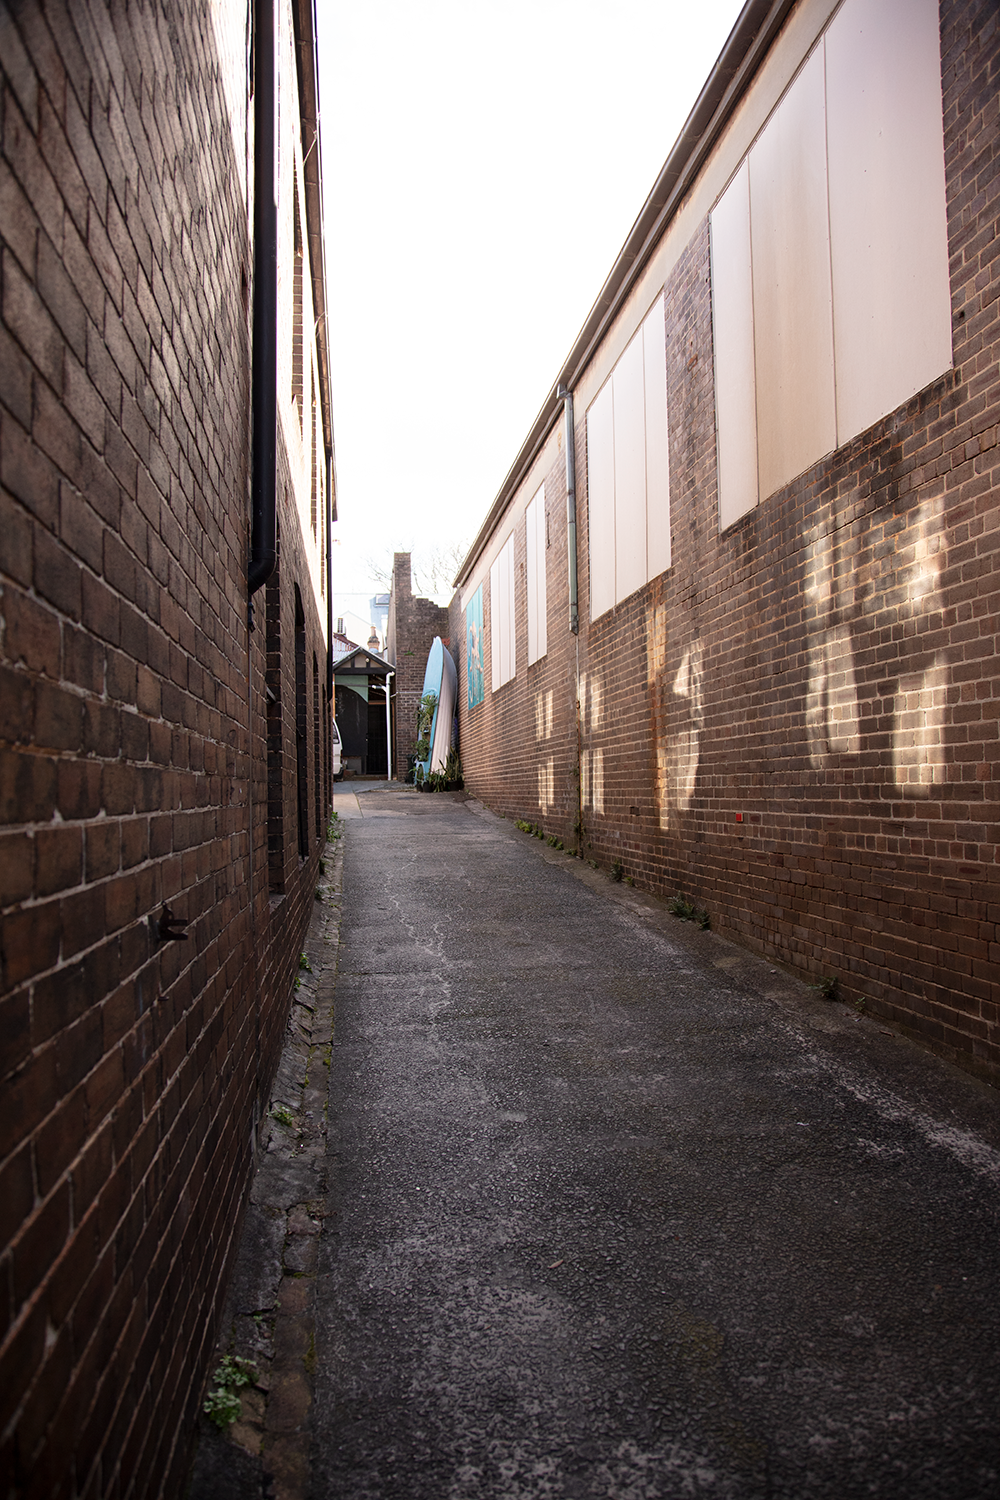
point(307, 59)
point(756, 27)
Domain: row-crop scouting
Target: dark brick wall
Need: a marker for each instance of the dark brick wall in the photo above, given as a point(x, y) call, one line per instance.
point(133, 742)
point(413, 624)
point(727, 771)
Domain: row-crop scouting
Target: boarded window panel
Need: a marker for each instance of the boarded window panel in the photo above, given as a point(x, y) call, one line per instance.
point(630, 471)
point(507, 664)
point(793, 317)
point(732, 322)
point(535, 540)
point(531, 565)
point(601, 501)
point(503, 591)
point(888, 224)
point(657, 453)
point(541, 594)
point(502, 615)
point(495, 611)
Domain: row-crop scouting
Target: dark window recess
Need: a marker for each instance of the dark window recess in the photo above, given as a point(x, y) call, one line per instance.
point(275, 740)
point(314, 477)
point(327, 757)
point(301, 727)
point(317, 780)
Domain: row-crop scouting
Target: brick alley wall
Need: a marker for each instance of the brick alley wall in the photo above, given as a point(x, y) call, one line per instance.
point(797, 724)
point(133, 738)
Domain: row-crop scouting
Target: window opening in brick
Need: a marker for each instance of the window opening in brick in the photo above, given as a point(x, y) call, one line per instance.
point(275, 745)
point(301, 728)
point(314, 492)
point(317, 781)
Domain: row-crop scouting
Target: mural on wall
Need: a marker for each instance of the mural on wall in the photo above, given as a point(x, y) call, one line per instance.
point(474, 658)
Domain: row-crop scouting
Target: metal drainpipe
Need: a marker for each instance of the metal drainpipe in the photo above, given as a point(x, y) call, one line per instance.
point(388, 725)
point(263, 549)
point(566, 396)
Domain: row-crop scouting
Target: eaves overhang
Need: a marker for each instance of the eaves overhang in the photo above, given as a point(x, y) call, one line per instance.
point(749, 41)
point(307, 64)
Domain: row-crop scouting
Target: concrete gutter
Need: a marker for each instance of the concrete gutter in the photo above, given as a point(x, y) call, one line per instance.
point(750, 39)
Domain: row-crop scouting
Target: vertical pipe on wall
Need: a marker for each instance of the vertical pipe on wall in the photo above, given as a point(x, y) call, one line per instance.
point(566, 396)
point(388, 725)
point(263, 548)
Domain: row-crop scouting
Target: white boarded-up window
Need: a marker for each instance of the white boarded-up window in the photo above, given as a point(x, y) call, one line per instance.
point(628, 482)
point(732, 328)
point(793, 317)
point(502, 615)
point(830, 286)
point(534, 528)
point(601, 501)
point(888, 225)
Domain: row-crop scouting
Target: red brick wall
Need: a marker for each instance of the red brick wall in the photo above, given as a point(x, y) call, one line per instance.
point(893, 544)
point(133, 764)
point(413, 624)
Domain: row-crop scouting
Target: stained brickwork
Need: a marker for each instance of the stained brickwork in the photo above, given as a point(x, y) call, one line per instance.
point(133, 735)
point(797, 724)
point(413, 624)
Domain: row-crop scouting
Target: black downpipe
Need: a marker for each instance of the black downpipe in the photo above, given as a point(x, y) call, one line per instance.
point(566, 397)
point(263, 549)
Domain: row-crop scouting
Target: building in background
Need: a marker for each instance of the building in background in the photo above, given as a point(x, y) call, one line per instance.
point(164, 762)
point(379, 607)
point(746, 648)
point(361, 698)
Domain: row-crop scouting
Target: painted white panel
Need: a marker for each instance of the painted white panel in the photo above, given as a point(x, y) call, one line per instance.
point(793, 318)
point(534, 528)
point(732, 325)
point(888, 221)
point(507, 632)
point(601, 501)
point(630, 471)
point(657, 449)
point(495, 608)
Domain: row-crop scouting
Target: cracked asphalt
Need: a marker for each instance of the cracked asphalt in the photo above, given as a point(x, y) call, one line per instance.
point(615, 1209)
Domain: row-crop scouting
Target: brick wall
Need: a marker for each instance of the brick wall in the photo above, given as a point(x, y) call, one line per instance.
point(413, 624)
point(797, 724)
point(133, 739)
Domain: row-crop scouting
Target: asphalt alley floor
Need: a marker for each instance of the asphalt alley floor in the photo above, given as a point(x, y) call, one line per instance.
point(602, 1206)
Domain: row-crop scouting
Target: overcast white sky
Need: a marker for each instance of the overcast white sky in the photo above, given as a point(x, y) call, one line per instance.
point(484, 161)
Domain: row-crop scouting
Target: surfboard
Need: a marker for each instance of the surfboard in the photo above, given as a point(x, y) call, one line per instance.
point(441, 679)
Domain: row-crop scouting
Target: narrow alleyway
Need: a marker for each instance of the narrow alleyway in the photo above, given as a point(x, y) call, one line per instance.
point(616, 1210)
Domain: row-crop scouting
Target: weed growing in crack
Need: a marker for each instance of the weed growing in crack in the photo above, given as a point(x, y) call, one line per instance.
point(680, 906)
point(222, 1404)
